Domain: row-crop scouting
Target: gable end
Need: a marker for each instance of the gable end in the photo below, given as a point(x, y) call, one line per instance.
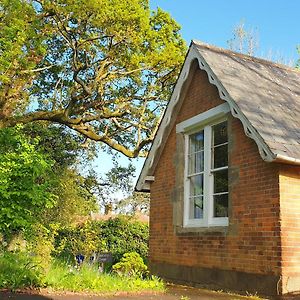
point(194, 60)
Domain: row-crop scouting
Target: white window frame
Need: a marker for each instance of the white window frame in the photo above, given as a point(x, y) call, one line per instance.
point(203, 121)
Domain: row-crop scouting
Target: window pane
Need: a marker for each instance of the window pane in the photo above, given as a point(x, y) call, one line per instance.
point(196, 142)
point(196, 162)
point(221, 181)
point(220, 156)
point(196, 207)
point(221, 205)
point(196, 185)
point(220, 133)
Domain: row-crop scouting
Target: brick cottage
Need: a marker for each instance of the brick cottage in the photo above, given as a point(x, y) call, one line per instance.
point(224, 175)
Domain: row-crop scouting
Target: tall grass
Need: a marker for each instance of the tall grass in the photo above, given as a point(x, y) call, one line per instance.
point(20, 270)
point(88, 279)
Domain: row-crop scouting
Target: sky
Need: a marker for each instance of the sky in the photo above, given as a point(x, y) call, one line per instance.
point(275, 22)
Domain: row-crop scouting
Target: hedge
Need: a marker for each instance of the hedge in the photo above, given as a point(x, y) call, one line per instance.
point(119, 235)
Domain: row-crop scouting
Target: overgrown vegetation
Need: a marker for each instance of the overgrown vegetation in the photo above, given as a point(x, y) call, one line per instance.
point(73, 73)
point(118, 236)
point(131, 264)
point(26, 179)
point(45, 262)
point(19, 270)
point(88, 278)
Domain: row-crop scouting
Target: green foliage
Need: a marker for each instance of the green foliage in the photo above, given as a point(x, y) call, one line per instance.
point(136, 202)
point(74, 199)
point(131, 264)
point(125, 234)
point(119, 235)
point(21, 48)
point(88, 278)
point(63, 147)
point(19, 270)
point(104, 68)
point(65, 150)
point(25, 181)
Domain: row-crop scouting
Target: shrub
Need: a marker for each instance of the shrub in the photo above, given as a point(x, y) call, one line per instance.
point(119, 236)
point(131, 264)
point(26, 179)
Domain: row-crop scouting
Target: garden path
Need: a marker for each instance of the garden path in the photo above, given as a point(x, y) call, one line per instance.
point(173, 293)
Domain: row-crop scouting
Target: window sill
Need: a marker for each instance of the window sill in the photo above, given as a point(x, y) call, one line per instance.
point(194, 231)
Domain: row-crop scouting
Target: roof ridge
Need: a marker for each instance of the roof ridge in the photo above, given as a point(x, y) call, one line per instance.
point(246, 56)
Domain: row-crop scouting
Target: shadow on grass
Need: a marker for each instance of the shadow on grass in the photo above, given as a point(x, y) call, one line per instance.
point(22, 296)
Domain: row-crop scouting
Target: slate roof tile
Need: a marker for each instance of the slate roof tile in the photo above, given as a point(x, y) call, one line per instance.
point(267, 93)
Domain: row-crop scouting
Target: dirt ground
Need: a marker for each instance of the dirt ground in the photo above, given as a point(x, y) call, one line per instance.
point(173, 293)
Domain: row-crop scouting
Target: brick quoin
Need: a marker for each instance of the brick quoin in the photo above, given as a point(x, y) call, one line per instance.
point(289, 178)
point(261, 239)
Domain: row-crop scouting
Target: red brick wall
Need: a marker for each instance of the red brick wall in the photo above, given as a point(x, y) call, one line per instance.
point(289, 179)
point(252, 243)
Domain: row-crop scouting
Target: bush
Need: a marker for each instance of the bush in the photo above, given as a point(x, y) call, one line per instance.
point(19, 270)
point(119, 236)
point(26, 179)
point(131, 264)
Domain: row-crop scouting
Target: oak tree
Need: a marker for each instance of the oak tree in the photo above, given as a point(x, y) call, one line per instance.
point(103, 68)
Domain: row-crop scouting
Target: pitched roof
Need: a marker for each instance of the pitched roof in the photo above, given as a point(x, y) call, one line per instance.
point(265, 96)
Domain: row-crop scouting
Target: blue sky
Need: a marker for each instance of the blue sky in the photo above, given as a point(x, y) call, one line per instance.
point(276, 22)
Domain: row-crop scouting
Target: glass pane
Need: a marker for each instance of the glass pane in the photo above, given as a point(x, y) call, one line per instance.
point(221, 205)
point(220, 133)
point(220, 156)
point(196, 207)
point(221, 181)
point(196, 162)
point(197, 142)
point(196, 185)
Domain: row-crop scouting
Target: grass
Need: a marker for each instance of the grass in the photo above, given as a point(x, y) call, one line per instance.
point(20, 270)
point(88, 279)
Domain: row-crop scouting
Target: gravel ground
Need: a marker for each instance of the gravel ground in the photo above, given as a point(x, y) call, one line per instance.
point(173, 293)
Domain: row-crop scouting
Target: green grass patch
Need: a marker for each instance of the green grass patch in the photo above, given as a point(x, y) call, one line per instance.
point(88, 279)
point(19, 270)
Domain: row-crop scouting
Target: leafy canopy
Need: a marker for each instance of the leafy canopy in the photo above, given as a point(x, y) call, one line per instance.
point(104, 68)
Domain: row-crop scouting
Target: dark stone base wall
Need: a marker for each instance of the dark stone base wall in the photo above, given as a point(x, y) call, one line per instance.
point(232, 280)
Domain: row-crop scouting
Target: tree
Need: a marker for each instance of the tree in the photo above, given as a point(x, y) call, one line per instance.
point(244, 40)
point(136, 202)
point(104, 69)
point(25, 182)
point(73, 200)
point(108, 188)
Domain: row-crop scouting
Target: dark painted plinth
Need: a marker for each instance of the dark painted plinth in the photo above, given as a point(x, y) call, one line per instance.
point(231, 280)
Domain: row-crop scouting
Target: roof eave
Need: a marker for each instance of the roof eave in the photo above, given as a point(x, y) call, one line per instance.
point(286, 160)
